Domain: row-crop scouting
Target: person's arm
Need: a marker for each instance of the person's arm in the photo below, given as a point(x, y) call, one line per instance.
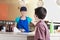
point(32, 27)
point(31, 24)
point(40, 32)
point(16, 21)
point(30, 20)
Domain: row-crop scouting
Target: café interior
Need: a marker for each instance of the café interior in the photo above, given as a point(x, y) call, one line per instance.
point(10, 9)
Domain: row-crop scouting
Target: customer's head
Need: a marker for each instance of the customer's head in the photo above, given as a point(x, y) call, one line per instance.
point(23, 11)
point(40, 13)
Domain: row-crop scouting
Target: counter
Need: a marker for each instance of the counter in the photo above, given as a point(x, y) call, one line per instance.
point(15, 36)
point(24, 36)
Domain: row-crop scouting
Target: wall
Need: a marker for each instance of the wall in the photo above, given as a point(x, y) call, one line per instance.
point(9, 9)
point(31, 6)
point(53, 10)
point(14, 11)
point(3, 10)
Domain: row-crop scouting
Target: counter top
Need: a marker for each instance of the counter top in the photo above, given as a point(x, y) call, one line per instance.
point(26, 34)
point(17, 34)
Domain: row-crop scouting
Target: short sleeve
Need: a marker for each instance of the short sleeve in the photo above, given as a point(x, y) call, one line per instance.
point(17, 19)
point(29, 19)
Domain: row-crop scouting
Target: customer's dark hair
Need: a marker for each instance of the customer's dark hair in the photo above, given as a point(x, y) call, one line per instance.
point(40, 12)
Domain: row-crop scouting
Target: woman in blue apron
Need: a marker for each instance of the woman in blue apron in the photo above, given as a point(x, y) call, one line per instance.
point(23, 21)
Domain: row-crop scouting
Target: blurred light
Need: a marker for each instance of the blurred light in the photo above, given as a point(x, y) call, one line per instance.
point(24, 1)
point(58, 2)
point(40, 3)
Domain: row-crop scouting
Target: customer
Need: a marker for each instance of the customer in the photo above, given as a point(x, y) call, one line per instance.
point(23, 21)
point(41, 30)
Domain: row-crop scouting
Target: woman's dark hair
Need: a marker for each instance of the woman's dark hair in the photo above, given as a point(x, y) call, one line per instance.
point(40, 12)
point(23, 9)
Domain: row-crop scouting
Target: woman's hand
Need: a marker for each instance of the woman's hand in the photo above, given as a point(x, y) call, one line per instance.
point(22, 30)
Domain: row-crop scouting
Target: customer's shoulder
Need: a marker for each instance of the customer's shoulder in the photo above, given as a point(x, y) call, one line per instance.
point(43, 23)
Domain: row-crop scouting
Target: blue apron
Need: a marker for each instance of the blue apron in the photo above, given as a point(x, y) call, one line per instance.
point(23, 24)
